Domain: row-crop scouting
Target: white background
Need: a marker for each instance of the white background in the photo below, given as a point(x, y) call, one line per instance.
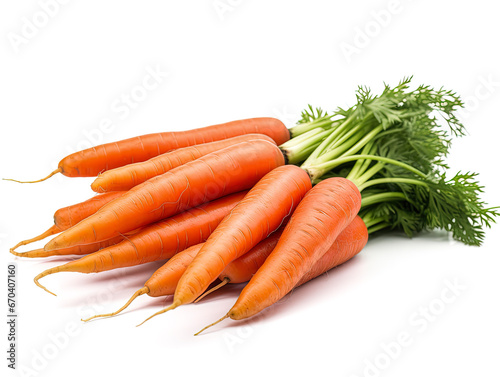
point(252, 58)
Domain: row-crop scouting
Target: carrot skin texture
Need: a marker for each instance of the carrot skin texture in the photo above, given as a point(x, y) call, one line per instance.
point(92, 161)
point(74, 250)
point(128, 176)
point(243, 268)
point(348, 243)
point(320, 217)
point(66, 217)
point(159, 241)
point(215, 175)
point(164, 281)
point(261, 212)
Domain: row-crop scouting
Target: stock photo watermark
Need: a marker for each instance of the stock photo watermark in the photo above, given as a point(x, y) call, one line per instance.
point(288, 118)
point(31, 26)
point(418, 322)
point(364, 35)
point(485, 88)
point(225, 7)
point(121, 108)
point(60, 340)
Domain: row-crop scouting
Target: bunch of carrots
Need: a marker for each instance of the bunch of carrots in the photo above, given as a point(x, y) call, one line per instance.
point(252, 201)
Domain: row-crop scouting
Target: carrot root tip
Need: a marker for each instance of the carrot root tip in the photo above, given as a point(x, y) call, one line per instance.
point(213, 324)
point(218, 286)
point(49, 232)
point(171, 307)
point(41, 286)
point(58, 170)
point(134, 296)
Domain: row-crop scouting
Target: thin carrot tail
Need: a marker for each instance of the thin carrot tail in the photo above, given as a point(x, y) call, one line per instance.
point(174, 305)
point(49, 232)
point(134, 296)
point(218, 286)
point(50, 271)
point(58, 170)
point(38, 253)
point(213, 324)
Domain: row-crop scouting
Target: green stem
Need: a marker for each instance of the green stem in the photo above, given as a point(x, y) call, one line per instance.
point(297, 150)
point(359, 181)
point(378, 227)
point(371, 222)
point(316, 171)
point(382, 197)
point(329, 139)
point(302, 138)
point(361, 165)
point(345, 136)
point(355, 145)
point(302, 128)
point(380, 181)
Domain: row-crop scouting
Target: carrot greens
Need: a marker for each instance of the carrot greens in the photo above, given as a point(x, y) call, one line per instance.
point(393, 147)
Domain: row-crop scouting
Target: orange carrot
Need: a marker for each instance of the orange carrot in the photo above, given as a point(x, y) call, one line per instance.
point(128, 176)
point(243, 268)
point(159, 241)
point(163, 281)
point(260, 213)
point(65, 218)
point(348, 243)
point(93, 161)
point(74, 250)
point(324, 212)
point(217, 174)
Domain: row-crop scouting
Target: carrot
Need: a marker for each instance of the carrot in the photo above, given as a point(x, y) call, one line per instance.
point(163, 281)
point(243, 268)
point(73, 250)
point(324, 212)
point(348, 243)
point(66, 217)
point(93, 161)
point(260, 213)
point(158, 241)
point(128, 176)
point(217, 174)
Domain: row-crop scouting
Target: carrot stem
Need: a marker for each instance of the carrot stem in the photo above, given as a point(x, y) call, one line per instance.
point(52, 230)
point(58, 170)
point(134, 296)
point(213, 324)
point(220, 285)
point(171, 307)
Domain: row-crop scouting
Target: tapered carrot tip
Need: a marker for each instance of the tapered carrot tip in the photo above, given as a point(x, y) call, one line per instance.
point(50, 271)
point(134, 296)
point(171, 307)
point(213, 324)
point(38, 253)
point(26, 254)
point(58, 170)
point(218, 286)
point(52, 230)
